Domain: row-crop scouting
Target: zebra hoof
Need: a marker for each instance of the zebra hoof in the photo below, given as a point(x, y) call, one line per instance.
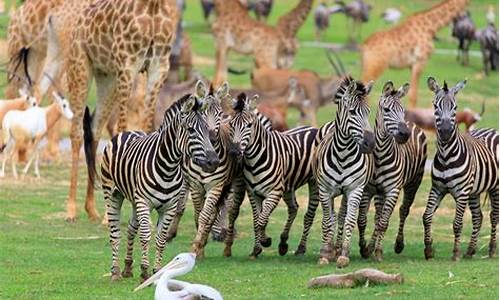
point(378, 255)
point(493, 250)
point(323, 261)
point(127, 272)
point(301, 250)
point(227, 252)
point(428, 252)
point(266, 242)
point(116, 277)
point(364, 252)
point(170, 237)
point(342, 262)
point(255, 253)
point(399, 246)
point(283, 248)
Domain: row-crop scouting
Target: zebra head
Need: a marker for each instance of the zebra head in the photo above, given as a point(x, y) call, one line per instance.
point(445, 108)
point(199, 147)
point(353, 111)
point(214, 110)
point(241, 124)
point(391, 113)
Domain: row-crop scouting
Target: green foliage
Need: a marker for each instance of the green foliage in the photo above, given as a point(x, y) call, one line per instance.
point(38, 261)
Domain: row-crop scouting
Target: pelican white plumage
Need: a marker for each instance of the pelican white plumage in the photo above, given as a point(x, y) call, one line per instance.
point(171, 289)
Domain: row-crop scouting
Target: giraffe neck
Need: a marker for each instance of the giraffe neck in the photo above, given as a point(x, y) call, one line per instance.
point(442, 13)
point(290, 23)
point(229, 6)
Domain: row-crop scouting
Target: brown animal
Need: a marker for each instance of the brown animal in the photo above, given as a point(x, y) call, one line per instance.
point(274, 105)
point(361, 277)
point(318, 91)
point(271, 46)
point(424, 118)
point(407, 45)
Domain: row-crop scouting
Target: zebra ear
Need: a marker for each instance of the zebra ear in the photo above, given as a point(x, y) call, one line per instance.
point(403, 90)
point(222, 91)
point(369, 86)
point(252, 102)
point(459, 86)
point(388, 88)
point(433, 85)
point(200, 90)
point(188, 106)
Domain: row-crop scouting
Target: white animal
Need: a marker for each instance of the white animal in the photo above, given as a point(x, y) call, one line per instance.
point(23, 102)
point(391, 15)
point(20, 128)
point(170, 289)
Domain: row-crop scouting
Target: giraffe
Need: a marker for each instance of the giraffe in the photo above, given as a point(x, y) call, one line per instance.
point(407, 45)
point(271, 46)
point(110, 41)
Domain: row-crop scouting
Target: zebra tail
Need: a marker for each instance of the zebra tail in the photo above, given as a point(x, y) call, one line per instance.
point(88, 147)
point(486, 200)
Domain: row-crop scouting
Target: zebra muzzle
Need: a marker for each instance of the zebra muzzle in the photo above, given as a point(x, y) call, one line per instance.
point(403, 133)
point(367, 144)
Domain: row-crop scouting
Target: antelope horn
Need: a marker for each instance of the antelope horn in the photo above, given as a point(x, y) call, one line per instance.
point(483, 107)
point(335, 67)
point(339, 61)
point(58, 90)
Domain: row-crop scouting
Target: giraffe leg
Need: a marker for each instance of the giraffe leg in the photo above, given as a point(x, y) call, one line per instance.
point(220, 64)
point(416, 70)
point(78, 79)
point(157, 75)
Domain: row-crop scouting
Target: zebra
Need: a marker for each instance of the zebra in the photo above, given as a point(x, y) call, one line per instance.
point(465, 165)
point(343, 166)
point(274, 165)
point(399, 156)
point(146, 169)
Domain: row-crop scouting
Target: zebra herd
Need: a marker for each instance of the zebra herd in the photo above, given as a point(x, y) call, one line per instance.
point(218, 158)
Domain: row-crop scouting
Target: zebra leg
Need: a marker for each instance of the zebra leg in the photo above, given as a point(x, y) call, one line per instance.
point(268, 205)
point(383, 223)
point(206, 218)
point(179, 212)
point(164, 219)
point(364, 206)
point(327, 224)
point(308, 217)
point(435, 197)
point(353, 200)
point(477, 221)
point(256, 203)
point(144, 219)
point(404, 210)
point(461, 203)
point(378, 202)
point(219, 226)
point(238, 194)
point(292, 205)
point(493, 194)
point(340, 227)
point(113, 209)
point(132, 232)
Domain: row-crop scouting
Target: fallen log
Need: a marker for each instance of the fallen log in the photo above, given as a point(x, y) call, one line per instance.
point(357, 278)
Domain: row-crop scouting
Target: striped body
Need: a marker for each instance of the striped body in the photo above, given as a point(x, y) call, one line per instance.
point(464, 166)
point(343, 166)
point(274, 165)
point(146, 170)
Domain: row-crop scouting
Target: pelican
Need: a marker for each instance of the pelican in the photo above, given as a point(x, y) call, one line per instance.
point(170, 289)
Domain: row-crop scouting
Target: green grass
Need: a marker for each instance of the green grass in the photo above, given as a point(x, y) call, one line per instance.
point(37, 264)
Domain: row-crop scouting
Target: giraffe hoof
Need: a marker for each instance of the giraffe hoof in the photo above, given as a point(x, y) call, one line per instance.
point(71, 219)
point(266, 242)
point(283, 248)
point(342, 262)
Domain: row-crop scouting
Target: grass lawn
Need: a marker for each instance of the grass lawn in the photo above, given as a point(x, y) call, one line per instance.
point(43, 257)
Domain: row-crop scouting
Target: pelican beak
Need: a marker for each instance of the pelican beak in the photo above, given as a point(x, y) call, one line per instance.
point(151, 279)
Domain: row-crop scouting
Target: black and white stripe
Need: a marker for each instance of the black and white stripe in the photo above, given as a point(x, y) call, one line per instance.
point(274, 165)
point(399, 155)
point(464, 166)
point(146, 170)
point(343, 166)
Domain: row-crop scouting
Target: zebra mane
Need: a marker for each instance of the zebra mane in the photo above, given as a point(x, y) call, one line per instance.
point(344, 84)
point(445, 87)
point(172, 111)
point(239, 104)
